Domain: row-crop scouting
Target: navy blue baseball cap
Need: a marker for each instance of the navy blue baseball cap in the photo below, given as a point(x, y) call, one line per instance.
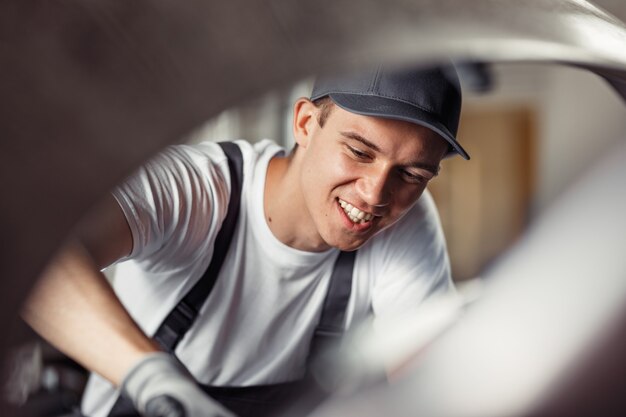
point(427, 96)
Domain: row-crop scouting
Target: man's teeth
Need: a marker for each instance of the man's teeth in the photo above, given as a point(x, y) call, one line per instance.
point(356, 215)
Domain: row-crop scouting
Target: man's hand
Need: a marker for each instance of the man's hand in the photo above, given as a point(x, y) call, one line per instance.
point(160, 386)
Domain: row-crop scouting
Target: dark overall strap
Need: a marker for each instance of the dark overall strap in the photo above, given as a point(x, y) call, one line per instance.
point(299, 397)
point(332, 321)
point(182, 317)
point(333, 316)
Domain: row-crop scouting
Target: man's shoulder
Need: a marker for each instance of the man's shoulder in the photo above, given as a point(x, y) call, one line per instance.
point(411, 250)
point(208, 153)
point(212, 148)
point(419, 227)
point(423, 213)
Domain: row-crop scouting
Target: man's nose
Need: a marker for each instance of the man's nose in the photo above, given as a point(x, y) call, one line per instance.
point(375, 187)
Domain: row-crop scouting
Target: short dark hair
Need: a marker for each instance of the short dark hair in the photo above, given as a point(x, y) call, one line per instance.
point(325, 105)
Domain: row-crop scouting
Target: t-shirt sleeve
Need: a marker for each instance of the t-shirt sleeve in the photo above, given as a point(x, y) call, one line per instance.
point(174, 200)
point(411, 262)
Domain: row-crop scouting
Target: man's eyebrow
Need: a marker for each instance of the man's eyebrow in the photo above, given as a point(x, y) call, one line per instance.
point(355, 136)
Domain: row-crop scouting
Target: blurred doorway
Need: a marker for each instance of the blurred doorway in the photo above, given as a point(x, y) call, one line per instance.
point(484, 203)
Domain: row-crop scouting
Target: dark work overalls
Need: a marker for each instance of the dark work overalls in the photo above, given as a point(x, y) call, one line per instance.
point(260, 400)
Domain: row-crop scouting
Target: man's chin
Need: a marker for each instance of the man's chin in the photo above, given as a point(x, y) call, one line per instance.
point(349, 246)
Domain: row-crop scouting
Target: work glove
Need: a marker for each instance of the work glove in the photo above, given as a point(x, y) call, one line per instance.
point(160, 386)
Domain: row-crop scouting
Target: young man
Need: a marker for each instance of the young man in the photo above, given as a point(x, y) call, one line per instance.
point(367, 146)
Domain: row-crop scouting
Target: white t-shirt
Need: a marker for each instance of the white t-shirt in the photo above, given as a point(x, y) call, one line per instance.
point(257, 324)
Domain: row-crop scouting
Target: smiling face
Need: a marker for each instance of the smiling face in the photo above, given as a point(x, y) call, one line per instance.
point(360, 174)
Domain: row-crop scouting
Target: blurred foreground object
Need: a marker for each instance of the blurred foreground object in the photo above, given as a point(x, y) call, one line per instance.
point(90, 90)
point(43, 382)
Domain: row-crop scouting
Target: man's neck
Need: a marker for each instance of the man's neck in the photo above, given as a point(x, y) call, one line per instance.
point(285, 211)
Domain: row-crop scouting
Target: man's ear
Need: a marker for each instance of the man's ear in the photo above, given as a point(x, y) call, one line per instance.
point(304, 121)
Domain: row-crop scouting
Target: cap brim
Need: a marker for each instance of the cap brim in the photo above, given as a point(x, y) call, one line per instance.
point(397, 110)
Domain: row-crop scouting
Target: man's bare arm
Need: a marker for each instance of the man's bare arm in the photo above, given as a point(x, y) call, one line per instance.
point(74, 307)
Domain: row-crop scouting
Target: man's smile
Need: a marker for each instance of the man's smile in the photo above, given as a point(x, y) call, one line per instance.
point(354, 214)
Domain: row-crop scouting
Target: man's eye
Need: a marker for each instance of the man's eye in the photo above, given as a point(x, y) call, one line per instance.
point(414, 178)
point(357, 153)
